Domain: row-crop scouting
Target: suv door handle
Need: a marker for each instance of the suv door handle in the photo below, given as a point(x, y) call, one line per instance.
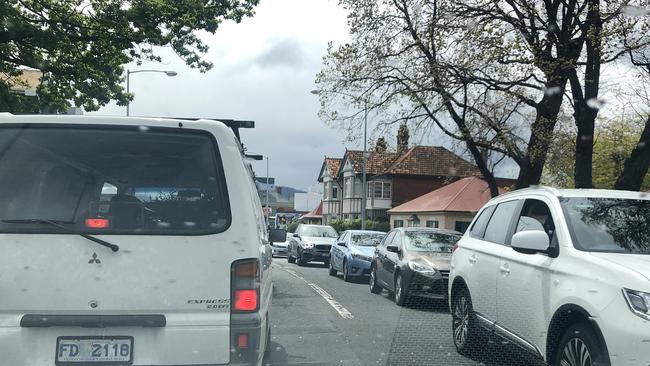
point(472, 259)
point(504, 269)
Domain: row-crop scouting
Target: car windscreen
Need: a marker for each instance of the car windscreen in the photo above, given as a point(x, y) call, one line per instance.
point(367, 239)
point(423, 241)
point(319, 232)
point(608, 224)
point(111, 180)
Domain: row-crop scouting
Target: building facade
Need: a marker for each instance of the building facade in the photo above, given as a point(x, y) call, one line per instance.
point(392, 179)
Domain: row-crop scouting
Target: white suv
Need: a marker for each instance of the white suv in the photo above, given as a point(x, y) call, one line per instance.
point(564, 274)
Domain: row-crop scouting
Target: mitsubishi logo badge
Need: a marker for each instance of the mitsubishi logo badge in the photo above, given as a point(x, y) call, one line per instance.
point(94, 259)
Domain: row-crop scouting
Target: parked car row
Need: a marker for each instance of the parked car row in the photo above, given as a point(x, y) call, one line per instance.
point(409, 262)
point(562, 274)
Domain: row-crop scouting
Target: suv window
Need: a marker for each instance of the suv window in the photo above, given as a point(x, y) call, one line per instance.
point(536, 215)
point(478, 229)
point(497, 229)
point(387, 239)
point(112, 180)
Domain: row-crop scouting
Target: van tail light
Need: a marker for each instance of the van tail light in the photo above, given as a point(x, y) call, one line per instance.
point(97, 223)
point(454, 248)
point(245, 285)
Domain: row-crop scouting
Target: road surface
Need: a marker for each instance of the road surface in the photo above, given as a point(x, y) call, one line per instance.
point(318, 319)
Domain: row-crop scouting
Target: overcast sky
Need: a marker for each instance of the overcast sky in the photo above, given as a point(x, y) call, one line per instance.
point(264, 69)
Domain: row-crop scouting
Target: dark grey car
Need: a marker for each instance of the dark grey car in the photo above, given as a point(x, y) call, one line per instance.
point(413, 262)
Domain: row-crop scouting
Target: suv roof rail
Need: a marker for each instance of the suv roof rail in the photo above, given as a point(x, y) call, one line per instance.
point(548, 189)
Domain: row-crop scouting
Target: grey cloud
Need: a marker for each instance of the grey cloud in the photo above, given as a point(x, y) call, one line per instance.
point(284, 53)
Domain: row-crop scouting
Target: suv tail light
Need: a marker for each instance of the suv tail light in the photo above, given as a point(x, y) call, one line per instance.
point(245, 285)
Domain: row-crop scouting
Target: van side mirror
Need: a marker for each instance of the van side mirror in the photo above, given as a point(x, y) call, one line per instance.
point(277, 235)
point(530, 242)
point(393, 248)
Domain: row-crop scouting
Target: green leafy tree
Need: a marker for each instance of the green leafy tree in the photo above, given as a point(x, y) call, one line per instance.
point(613, 145)
point(82, 45)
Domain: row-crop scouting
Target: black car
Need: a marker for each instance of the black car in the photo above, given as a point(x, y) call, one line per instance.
point(413, 262)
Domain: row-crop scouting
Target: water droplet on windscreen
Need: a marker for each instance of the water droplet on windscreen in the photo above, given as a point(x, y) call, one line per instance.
point(551, 91)
point(635, 11)
point(163, 225)
point(189, 224)
point(143, 128)
point(595, 103)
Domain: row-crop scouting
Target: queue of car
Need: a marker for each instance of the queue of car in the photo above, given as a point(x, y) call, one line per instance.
point(562, 274)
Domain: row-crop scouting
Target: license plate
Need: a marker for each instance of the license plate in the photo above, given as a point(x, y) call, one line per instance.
point(94, 350)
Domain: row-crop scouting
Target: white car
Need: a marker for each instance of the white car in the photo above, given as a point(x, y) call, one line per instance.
point(564, 274)
point(129, 241)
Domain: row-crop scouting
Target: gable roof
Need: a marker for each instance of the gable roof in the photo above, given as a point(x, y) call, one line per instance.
point(432, 160)
point(316, 213)
point(464, 195)
point(333, 165)
point(376, 164)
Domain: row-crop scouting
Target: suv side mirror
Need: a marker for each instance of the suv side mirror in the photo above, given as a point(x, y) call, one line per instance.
point(530, 242)
point(342, 244)
point(277, 235)
point(393, 248)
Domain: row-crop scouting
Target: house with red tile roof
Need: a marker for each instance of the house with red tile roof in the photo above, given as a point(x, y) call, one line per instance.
point(451, 207)
point(313, 217)
point(392, 179)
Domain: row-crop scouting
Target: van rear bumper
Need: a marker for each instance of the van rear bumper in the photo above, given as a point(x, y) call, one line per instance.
point(169, 345)
point(253, 327)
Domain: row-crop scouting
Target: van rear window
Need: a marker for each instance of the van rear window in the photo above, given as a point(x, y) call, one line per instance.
point(111, 180)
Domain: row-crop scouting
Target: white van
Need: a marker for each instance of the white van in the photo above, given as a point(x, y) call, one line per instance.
point(128, 241)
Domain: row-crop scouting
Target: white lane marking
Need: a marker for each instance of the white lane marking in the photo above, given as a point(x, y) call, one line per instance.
point(343, 312)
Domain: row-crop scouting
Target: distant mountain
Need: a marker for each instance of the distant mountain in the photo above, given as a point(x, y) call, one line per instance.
point(287, 192)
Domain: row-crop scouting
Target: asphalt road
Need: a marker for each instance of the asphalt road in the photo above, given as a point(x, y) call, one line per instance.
point(318, 319)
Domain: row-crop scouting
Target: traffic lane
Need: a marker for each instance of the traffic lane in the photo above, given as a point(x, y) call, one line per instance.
point(415, 335)
point(303, 326)
point(419, 334)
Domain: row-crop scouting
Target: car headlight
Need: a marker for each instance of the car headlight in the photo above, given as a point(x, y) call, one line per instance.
point(639, 302)
point(361, 256)
point(307, 245)
point(422, 269)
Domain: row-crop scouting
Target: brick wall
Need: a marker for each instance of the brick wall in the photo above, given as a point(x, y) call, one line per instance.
point(406, 188)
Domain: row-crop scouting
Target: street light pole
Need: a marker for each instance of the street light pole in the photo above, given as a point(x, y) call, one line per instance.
point(169, 73)
point(267, 184)
point(128, 78)
point(363, 167)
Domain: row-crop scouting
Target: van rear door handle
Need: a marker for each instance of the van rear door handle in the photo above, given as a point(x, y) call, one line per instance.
point(472, 259)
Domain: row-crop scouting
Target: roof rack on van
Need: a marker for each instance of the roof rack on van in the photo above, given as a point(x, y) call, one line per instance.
point(234, 124)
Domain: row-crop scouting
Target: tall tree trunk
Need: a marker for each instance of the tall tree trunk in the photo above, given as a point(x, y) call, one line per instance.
point(532, 164)
point(636, 166)
point(584, 113)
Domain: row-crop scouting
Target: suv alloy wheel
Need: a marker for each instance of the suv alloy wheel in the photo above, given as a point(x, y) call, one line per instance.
point(580, 347)
point(464, 327)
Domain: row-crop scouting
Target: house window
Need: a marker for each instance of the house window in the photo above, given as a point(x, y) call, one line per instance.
point(348, 186)
point(335, 192)
point(398, 223)
point(432, 223)
point(461, 226)
point(379, 190)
